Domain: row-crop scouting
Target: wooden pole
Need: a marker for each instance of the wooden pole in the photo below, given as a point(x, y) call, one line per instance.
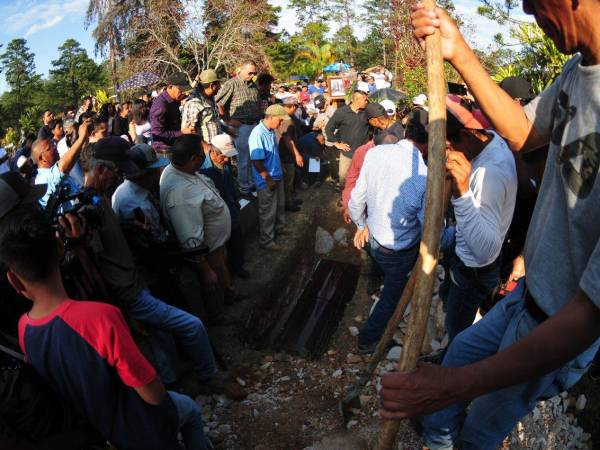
point(434, 205)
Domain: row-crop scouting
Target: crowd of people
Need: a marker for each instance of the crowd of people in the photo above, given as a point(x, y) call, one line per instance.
point(123, 228)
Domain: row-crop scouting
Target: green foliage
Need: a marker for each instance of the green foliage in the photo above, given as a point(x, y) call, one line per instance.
point(11, 138)
point(344, 44)
point(74, 74)
point(312, 58)
point(31, 120)
point(17, 64)
point(539, 60)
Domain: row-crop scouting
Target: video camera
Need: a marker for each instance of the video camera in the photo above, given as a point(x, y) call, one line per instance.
point(85, 203)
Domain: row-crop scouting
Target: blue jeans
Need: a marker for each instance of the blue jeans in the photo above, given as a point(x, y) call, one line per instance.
point(190, 421)
point(466, 294)
point(396, 267)
point(492, 416)
point(187, 329)
point(244, 165)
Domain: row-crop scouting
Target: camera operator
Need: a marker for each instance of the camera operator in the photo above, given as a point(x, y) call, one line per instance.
point(102, 168)
point(54, 170)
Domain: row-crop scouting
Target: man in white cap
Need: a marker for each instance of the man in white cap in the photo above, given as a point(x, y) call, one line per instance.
point(200, 111)
point(420, 101)
point(217, 167)
point(390, 107)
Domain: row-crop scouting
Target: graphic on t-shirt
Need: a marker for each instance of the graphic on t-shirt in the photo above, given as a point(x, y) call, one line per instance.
point(563, 114)
point(579, 163)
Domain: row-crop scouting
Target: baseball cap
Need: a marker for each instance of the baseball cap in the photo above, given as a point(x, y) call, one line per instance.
point(224, 144)
point(319, 101)
point(115, 149)
point(291, 100)
point(420, 100)
point(276, 111)
point(460, 116)
point(375, 110)
point(208, 76)
point(145, 157)
point(389, 106)
point(14, 190)
point(179, 79)
point(517, 87)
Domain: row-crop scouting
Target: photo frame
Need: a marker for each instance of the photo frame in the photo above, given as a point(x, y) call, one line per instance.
point(336, 87)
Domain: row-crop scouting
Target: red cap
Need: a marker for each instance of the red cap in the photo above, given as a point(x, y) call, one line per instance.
point(473, 119)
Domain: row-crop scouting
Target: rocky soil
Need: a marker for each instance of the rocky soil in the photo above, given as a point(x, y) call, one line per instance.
point(293, 401)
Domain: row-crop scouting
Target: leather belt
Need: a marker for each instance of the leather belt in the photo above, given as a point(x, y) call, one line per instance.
point(533, 309)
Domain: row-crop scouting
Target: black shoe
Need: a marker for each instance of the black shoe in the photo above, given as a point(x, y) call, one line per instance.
point(248, 196)
point(298, 202)
point(292, 208)
point(242, 273)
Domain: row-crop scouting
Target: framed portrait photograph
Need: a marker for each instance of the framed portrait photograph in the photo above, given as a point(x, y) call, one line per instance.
point(336, 86)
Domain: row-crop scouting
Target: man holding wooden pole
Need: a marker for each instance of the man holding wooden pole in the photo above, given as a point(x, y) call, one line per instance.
point(541, 338)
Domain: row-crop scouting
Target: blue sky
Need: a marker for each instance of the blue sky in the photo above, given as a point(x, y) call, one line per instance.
point(46, 24)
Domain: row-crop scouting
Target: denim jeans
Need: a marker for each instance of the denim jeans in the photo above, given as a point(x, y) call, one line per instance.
point(492, 416)
point(396, 267)
point(190, 421)
point(188, 330)
point(244, 165)
point(466, 294)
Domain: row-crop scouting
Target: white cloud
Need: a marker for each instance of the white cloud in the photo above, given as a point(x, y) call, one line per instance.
point(29, 17)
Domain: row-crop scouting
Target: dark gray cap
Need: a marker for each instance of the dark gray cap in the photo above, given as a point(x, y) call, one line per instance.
point(14, 190)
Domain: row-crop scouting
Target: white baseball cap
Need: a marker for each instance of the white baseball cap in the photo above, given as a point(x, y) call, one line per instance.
point(224, 144)
point(390, 107)
point(420, 100)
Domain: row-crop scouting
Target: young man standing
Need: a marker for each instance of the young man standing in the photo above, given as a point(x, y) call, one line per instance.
point(541, 338)
point(268, 176)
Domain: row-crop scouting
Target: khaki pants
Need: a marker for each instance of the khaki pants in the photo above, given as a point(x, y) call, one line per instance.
point(344, 166)
point(289, 174)
point(271, 212)
point(217, 260)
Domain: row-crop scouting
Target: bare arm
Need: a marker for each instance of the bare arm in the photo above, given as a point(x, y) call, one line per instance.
point(568, 333)
point(507, 116)
point(68, 160)
point(153, 392)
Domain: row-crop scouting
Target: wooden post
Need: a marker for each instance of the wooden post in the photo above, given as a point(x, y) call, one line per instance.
point(434, 205)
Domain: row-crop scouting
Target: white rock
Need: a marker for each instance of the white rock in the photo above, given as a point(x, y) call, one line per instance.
point(351, 424)
point(324, 242)
point(337, 373)
point(394, 353)
point(581, 402)
point(353, 331)
point(240, 381)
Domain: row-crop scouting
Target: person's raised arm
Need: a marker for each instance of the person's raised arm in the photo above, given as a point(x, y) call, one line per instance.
point(68, 160)
point(506, 115)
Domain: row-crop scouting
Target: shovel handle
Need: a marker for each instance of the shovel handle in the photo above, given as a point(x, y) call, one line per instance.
point(434, 206)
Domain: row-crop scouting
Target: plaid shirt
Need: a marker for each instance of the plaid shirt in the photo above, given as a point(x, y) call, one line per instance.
point(201, 113)
point(240, 99)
